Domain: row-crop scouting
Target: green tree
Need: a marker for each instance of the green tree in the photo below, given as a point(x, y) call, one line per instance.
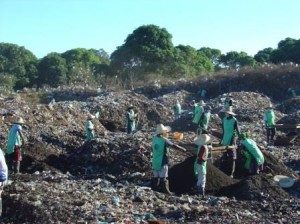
point(52, 70)
point(212, 53)
point(264, 56)
point(288, 51)
point(18, 62)
point(245, 60)
point(7, 82)
point(296, 52)
point(234, 60)
point(190, 62)
point(102, 54)
point(82, 63)
point(146, 50)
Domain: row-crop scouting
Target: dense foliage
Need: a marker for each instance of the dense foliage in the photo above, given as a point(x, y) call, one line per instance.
point(17, 65)
point(146, 51)
point(52, 70)
point(235, 59)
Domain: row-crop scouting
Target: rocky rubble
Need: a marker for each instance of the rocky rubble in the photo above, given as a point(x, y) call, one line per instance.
point(74, 200)
point(66, 180)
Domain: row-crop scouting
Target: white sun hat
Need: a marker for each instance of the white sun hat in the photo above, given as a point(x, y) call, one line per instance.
point(90, 116)
point(161, 129)
point(202, 103)
point(230, 111)
point(202, 139)
point(19, 121)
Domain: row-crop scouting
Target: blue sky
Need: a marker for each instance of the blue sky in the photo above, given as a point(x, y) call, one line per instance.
point(44, 26)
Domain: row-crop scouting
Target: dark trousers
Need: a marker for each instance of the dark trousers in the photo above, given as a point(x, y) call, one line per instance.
point(254, 167)
point(130, 127)
point(228, 160)
point(270, 134)
point(10, 160)
point(14, 160)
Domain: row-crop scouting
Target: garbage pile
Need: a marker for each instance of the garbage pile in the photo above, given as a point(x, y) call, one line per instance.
point(70, 199)
point(291, 105)
point(65, 179)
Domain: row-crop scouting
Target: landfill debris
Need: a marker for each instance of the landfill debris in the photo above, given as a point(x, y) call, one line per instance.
point(106, 180)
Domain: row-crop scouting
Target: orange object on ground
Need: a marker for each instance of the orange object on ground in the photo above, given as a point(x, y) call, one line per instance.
point(177, 136)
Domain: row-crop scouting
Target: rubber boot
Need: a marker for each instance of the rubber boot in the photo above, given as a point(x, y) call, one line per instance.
point(0, 207)
point(17, 167)
point(268, 138)
point(233, 168)
point(165, 187)
point(155, 184)
point(203, 192)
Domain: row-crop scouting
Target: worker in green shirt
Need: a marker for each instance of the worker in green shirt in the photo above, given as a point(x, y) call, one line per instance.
point(230, 132)
point(253, 157)
point(14, 145)
point(201, 142)
point(160, 158)
point(89, 128)
point(177, 110)
point(269, 122)
point(204, 121)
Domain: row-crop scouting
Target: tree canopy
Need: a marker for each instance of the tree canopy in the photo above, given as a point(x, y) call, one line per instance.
point(145, 50)
point(191, 62)
point(52, 70)
point(288, 51)
point(82, 63)
point(18, 62)
point(234, 59)
point(264, 56)
point(211, 53)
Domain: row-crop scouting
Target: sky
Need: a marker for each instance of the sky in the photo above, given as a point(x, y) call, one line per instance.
point(45, 26)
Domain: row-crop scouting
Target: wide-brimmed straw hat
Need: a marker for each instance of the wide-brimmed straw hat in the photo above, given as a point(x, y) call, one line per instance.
point(202, 139)
point(201, 103)
point(90, 117)
point(229, 111)
point(284, 181)
point(270, 106)
point(19, 121)
point(160, 128)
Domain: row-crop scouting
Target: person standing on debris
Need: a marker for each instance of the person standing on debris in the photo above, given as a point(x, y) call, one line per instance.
point(201, 142)
point(198, 111)
point(3, 177)
point(131, 120)
point(177, 110)
point(193, 104)
point(89, 129)
point(98, 112)
point(160, 158)
point(254, 159)
point(228, 102)
point(14, 143)
point(230, 131)
point(204, 121)
point(269, 121)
